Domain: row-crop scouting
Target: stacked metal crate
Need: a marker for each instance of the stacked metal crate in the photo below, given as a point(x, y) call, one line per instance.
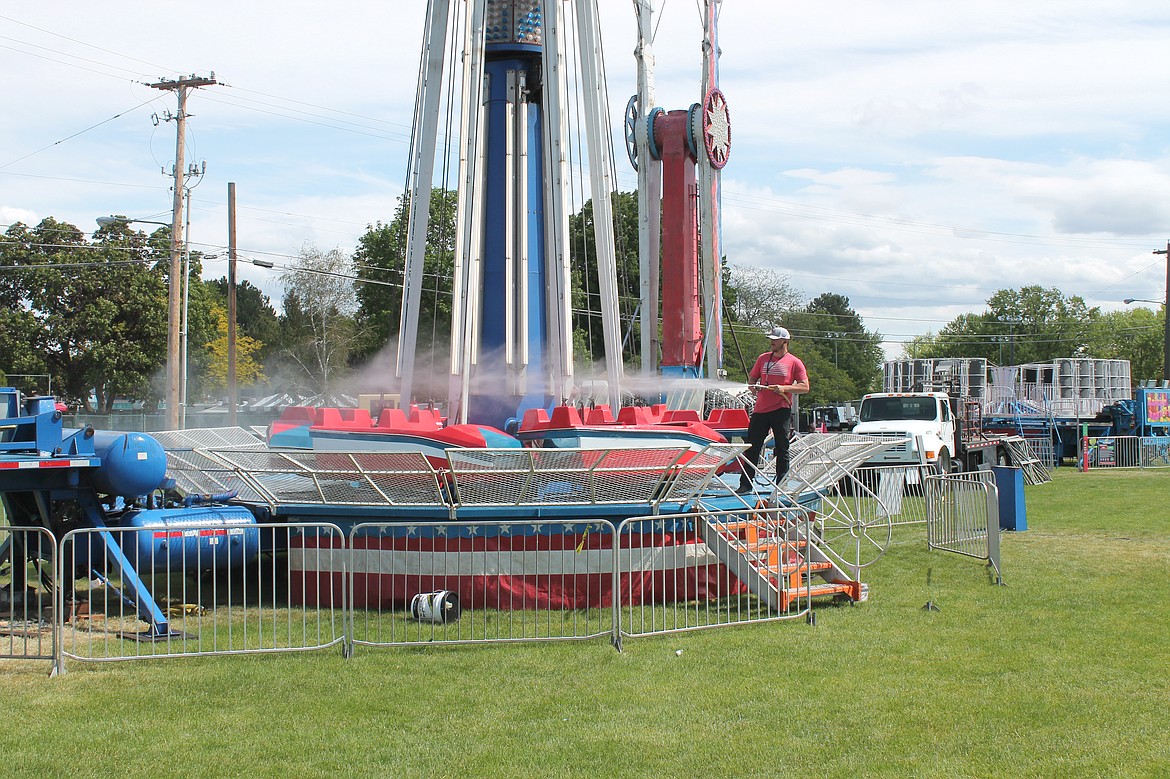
point(965, 376)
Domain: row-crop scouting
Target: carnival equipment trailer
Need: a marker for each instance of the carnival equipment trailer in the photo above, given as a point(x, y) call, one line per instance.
point(1146, 414)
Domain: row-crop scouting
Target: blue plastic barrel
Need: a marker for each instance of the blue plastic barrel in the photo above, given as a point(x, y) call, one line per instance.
point(1013, 513)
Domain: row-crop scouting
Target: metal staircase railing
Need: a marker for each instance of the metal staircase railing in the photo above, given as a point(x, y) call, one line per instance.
point(772, 552)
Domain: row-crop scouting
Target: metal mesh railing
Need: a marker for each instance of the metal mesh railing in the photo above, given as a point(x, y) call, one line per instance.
point(209, 438)
point(476, 477)
point(200, 472)
point(694, 474)
point(817, 461)
point(515, 477)
point(282, 477)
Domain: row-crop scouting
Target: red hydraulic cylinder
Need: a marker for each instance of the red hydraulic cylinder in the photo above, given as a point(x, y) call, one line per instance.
point(681, 329)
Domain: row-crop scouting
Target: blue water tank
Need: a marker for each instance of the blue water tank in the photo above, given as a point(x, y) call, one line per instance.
point(133, 464)
point(190, 539)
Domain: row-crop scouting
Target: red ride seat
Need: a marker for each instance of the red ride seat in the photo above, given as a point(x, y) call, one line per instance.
point(636, 416)
point(565, 416)
point(392, 419)
point(299, 414)
point(728, 418)
point(428, 418)
point(344, 419)
point(534, 419)
point(599, 415)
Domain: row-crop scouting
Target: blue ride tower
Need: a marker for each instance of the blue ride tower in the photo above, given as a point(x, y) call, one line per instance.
point(510, 370)
point(511, 339)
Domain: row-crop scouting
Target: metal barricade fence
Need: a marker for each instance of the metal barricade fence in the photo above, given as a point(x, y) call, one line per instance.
point(1108, 452)
point(963, 515)
point(166, 590)
point(490, 581)
point(1043, 451)
point(28, 566)
point(172, 589)
point(1155, 451)
point(711, 568)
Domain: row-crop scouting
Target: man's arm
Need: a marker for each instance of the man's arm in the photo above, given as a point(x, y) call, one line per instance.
point(801, 385)
point(754, 377)
point(798, 387)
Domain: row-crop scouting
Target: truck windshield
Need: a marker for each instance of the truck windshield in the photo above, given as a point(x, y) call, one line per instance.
point(879, 409)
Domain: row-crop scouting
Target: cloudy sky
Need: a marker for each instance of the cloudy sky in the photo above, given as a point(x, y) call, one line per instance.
point(913, 156)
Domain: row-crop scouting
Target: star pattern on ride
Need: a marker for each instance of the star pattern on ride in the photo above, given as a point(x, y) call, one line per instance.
point(717, 128)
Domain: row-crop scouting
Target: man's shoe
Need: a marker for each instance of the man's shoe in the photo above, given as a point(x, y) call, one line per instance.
point(743, 489)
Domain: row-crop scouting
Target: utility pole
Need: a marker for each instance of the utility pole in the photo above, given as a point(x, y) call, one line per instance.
point(180, 87)
point(1166, 317)
point(233, 391)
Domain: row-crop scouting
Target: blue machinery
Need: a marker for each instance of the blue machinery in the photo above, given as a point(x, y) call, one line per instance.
point(64, 479)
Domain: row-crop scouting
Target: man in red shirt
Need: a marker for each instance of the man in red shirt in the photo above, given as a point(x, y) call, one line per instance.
point(774, 379)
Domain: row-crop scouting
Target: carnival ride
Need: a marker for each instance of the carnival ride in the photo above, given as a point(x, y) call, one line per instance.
point(511, 368)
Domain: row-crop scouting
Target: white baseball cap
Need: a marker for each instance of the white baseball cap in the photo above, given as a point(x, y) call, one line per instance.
point(778, 333)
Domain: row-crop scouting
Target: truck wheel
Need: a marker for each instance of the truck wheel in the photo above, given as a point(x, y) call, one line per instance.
point(1001, 458)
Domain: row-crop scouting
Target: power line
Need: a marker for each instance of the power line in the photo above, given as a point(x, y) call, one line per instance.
point(68, 64)
point(60, 265)
point(81, 42)
point(79, 132)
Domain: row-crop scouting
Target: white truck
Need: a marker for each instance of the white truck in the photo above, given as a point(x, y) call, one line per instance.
point(948, 429)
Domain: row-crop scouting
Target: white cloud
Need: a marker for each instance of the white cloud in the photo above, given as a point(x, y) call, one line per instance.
point(912, 155)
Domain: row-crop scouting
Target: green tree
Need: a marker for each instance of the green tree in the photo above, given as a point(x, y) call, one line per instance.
point(380, 261)
point(94, 315)
point(1031, 324)
point(201, 325)
point(1135, 335)
point(255, 316)
point(828, 326)
point(248, 369)
point(318, 321)
point(754, 300)
point(758, 298)
point(585, 285)
point(21, 343)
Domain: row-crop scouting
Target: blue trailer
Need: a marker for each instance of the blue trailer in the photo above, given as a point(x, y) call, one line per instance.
point(1144, 415)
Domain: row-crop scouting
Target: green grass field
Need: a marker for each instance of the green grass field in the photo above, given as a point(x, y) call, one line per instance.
point(1065, 671)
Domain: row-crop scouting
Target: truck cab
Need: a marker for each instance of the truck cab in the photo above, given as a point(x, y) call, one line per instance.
point(924, 417)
